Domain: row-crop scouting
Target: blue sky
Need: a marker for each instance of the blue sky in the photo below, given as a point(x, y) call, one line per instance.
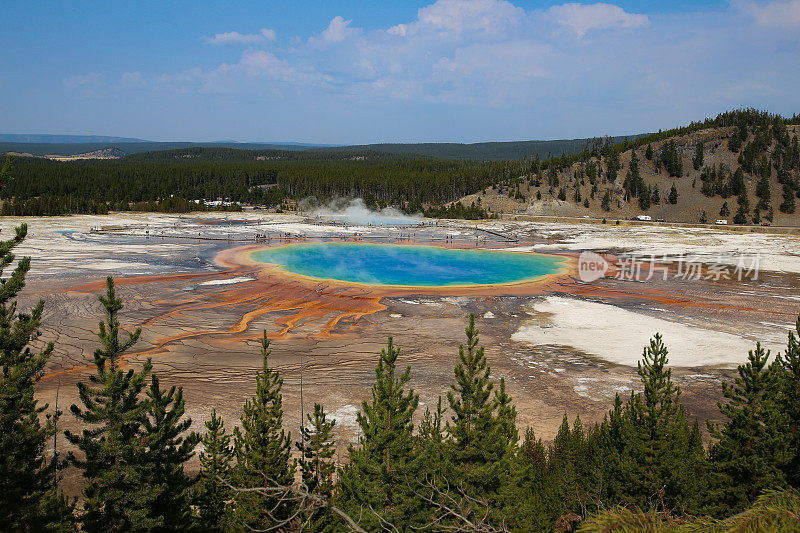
point(358, 71)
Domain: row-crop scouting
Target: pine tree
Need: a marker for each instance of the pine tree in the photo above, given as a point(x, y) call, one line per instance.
point(744, 208)
point(606, 201)
point(735, 143)
point(634, 184)
point(433, 452)
point(703, 217)
point(167, 451)
point(565, 456)
point(430, 443)
point(751, 447)
point(737, 183)
point(673, 195)
point(661, 442)
point(263, 453)
point(788, 402)
point(645, 198)
point(317, 448)
point(478, 452)
point(763, 191)
point(5, 172)
point(612, 165)
point(506, 416)
point(610, 465)
point(697, 162)
point(724, 210)
point(671, 159)
point(116, 492)
point(28, 479)
point(648, 153)
point(656, 195)
point(211, 494)
point(379, 479)
point(788, 204)
point(529, 498)
point(316, 462)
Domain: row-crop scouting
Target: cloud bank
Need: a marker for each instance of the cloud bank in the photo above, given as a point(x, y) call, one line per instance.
point(461, 65)
point(234, 37)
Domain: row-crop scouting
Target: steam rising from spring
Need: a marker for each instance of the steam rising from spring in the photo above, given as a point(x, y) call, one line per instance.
point(354, 211)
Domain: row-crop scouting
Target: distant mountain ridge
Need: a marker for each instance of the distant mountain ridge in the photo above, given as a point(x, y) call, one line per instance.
point(484, 151)
point(36, 138)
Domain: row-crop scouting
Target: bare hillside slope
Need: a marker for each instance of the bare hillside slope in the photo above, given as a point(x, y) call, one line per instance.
point(734, 159)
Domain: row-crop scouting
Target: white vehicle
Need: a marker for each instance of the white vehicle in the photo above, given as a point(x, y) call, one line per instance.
point(644, 218)
point(721, 222)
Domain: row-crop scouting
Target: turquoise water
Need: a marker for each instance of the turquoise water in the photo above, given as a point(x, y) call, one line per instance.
point(417, 266)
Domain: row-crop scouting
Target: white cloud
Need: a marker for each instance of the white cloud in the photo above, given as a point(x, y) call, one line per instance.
point(487, 16)
point(400, 29)
point(87, 85)
point(777, 13)
point(581, 18)
point(492, 56)
point(253, 67)
point(258, 62)
point(82, 80)
point(234, 37)
point(508, 62)
point(133, 78)
point(338, 30)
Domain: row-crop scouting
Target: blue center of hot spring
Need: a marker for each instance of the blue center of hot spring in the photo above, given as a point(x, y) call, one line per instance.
point(415, 266)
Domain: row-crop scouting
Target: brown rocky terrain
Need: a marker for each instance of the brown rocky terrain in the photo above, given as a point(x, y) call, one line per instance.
point(503, 199)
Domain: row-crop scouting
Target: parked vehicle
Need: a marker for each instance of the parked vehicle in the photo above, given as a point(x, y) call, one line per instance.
point(721, 222)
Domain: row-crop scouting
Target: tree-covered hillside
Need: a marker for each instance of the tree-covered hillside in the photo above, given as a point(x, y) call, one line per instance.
point(743, 166)
point(44, 187)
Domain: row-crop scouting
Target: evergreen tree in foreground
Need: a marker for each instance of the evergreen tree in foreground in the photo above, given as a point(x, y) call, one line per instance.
point(470, 400)
point(27, 478)
point(378, 482)
point(316, 462)
point(211, 494)
point(528, 497)
point(263, 453)
point(431, 440)
point(482, 430)
point(117, 496)
point(167, 452)
point(751, 449)
point(317, 448)
point(788, 389)
point(667, 454)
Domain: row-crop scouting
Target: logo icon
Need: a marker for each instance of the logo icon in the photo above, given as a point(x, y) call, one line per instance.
point(591, 266)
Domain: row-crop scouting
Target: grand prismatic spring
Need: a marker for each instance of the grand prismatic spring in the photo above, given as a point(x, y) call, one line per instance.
point(407, 265)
